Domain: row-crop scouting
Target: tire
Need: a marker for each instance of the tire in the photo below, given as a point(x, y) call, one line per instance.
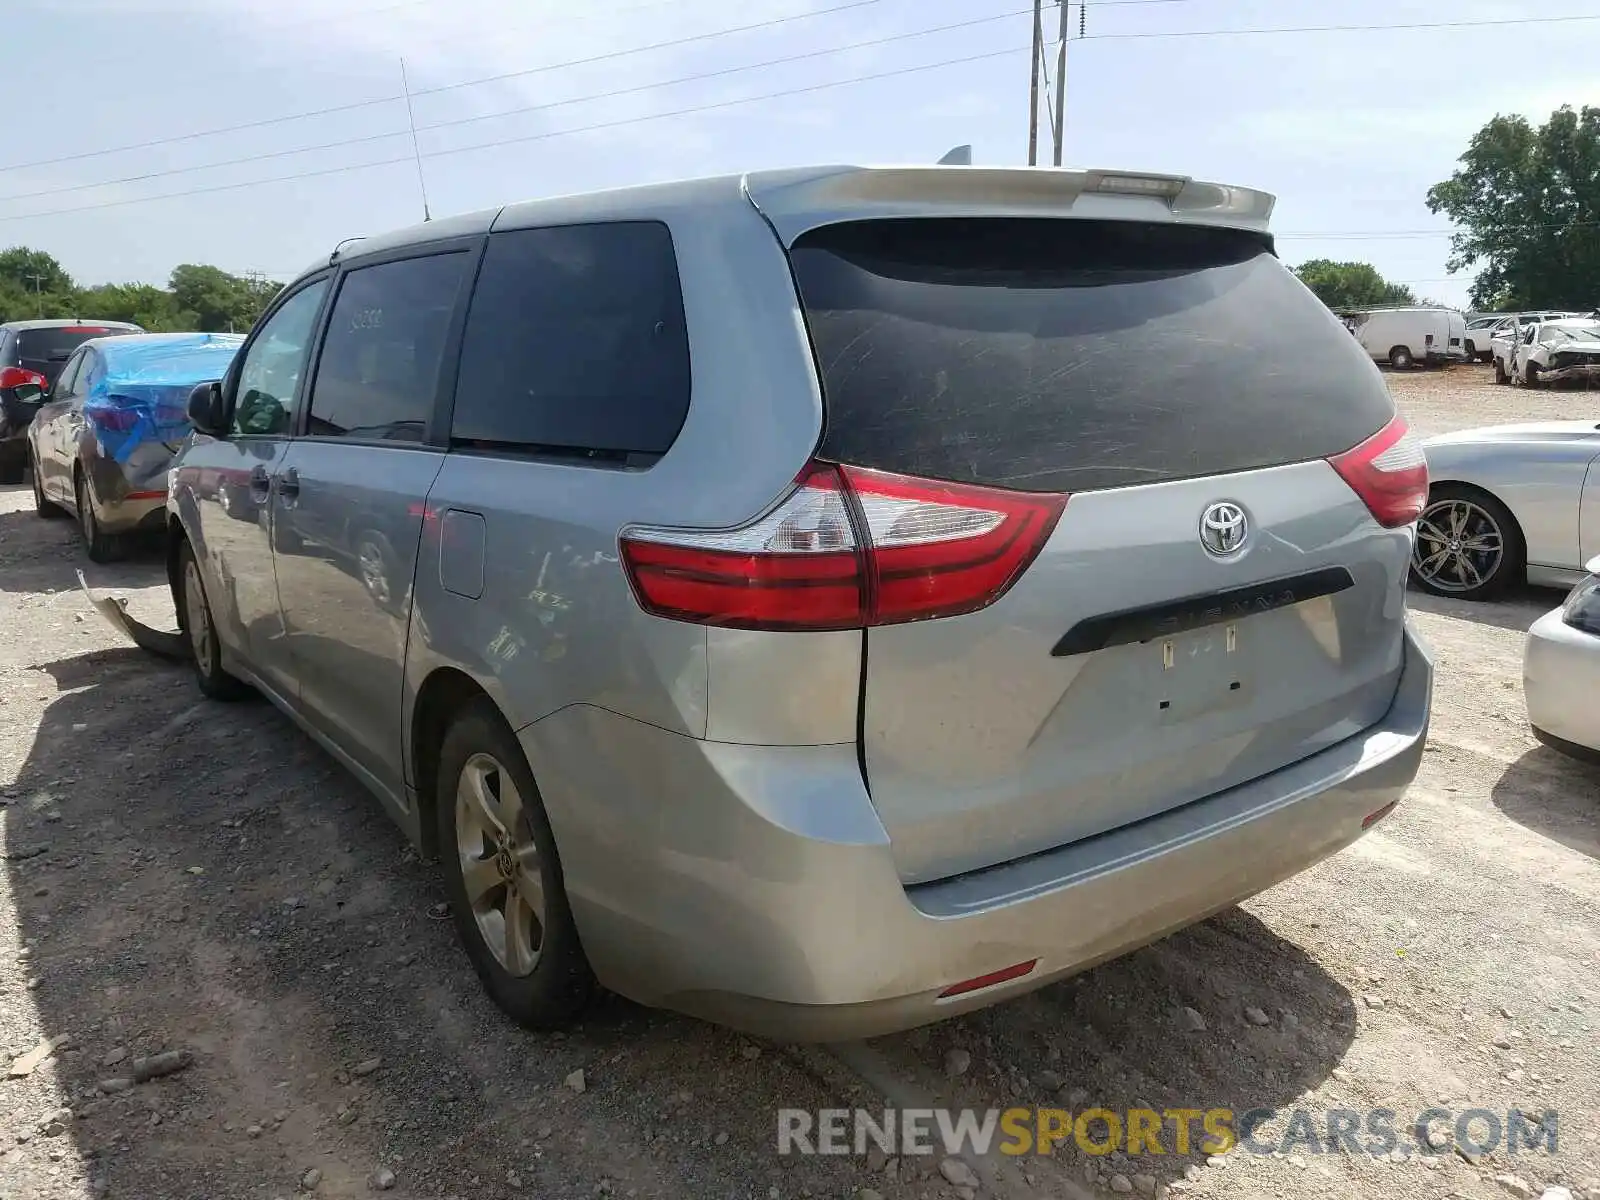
point(43, 506)
point(13, 462)
point(1400, 358)
point(1530, 376)
point(1472, 351)
point(196, 621)
point(1501, 376)
point(479, 756)
point(103, 547)
point(1487, 521)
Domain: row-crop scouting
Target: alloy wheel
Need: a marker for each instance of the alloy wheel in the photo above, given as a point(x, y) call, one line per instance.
point(500, 865)
point(198, 618)
point(1460, 546)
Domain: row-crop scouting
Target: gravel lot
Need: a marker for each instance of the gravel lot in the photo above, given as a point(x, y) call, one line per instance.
point(190, 878)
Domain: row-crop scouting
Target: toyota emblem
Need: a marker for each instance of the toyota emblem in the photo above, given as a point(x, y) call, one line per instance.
point(1223, 528)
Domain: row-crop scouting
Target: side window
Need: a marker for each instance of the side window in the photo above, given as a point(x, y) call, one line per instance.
point(68, 378)
point(269, 376)
point(379, 370)
point(576, 340)
point(91, 370)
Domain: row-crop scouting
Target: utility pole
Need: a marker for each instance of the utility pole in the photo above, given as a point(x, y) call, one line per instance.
point(1033, 82)
point(38, 297)
point(1061, 85)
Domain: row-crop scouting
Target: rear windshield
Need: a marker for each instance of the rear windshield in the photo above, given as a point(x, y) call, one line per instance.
point(47, 350)
point(1070, 355)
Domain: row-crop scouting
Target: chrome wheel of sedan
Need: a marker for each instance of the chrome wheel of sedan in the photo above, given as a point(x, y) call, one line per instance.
point(1461, 547)
point(500, 865)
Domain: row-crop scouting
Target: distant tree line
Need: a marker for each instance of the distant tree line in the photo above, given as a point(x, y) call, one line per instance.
point(209, 299)
point(1526, 205)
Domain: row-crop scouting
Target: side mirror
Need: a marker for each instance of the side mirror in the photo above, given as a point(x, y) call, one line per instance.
point(207, 412)
point(31, 394)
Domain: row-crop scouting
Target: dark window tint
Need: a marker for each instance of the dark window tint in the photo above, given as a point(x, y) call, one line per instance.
point(379, 371)
point(46, 350)
point(1068, 355)
point(576, 341)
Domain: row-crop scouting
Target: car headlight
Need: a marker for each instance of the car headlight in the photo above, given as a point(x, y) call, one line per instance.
point(1582, 607)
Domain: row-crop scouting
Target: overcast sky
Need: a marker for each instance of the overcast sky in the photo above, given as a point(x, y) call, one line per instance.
point(1348, 129)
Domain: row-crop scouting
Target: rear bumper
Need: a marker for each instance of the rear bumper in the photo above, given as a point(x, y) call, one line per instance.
point(1560, 678)
point(754, 886)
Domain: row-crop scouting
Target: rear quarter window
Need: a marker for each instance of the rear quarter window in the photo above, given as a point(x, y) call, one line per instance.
point(1070, 355)
point(575, 343)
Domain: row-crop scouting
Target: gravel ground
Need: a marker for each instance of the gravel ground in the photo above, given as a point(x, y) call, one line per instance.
point(200, 881)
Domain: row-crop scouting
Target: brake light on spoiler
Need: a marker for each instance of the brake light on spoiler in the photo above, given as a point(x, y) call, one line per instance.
point(846, 549)
point(1389, 471)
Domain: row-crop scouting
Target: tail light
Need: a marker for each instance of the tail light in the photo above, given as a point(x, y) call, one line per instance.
point(11, 377)
point(847, 548)
point(1389, 472)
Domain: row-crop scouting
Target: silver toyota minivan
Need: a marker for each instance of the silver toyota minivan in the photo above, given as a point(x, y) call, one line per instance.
point(823, 601)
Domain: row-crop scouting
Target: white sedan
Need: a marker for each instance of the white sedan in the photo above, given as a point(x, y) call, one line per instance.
point(1561, 671)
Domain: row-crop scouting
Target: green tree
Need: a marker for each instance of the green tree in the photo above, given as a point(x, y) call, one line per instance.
point(33, 271)
point(1526, 202)
point(220, 301)
point(1351, 284)
point(146, 305)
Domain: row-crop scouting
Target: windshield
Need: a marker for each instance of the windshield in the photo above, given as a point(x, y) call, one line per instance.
point(1061, 355)
point(1567, 333)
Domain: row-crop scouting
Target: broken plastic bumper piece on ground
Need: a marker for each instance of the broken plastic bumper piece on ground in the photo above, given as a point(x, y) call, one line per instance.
point(114, 609)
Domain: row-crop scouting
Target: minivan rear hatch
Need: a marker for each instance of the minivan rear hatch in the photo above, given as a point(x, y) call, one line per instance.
point(1172, 379)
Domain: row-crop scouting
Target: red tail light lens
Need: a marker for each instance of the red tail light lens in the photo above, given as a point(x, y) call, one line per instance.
point(1389, 472)
point(11, 377)
point(848, 548)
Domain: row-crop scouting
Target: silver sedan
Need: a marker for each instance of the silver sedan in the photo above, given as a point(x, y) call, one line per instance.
point(1507, 504)
point(1561, 671)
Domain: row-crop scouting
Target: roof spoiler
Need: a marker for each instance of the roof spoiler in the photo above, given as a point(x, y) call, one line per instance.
point(805, 198)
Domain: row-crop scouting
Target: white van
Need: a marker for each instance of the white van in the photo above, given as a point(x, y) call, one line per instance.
point(1403, 337)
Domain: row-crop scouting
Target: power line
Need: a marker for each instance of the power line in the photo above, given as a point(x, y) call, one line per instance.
point(532, 137)
point(532, 108)
point(1211, 33)
point(609, 56)
point(1374, 235)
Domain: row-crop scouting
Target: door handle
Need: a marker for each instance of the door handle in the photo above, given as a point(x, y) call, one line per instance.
point(260, 484)
point(289, 487)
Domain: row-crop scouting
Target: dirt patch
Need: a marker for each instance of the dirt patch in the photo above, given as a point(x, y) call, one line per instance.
point(183, 876)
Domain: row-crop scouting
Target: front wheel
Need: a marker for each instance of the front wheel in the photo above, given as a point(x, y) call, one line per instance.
point(43, 506)
point(1401, 358)
point(1530, 376)
point(194, 616)
point(1472, 352)
point(1501, 375)
point(1468, 545)
point(13, 462)
point(503, 875)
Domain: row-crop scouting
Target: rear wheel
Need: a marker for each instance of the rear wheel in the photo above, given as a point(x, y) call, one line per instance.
point(1472, 351)
point(103, 547)
point(1468, 545)
point(1400, 358)
point(503, 875)
point(13, 461)
point(194, 615)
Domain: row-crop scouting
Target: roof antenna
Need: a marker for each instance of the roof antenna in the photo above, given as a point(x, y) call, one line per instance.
point(416, 150)
point(961, 156)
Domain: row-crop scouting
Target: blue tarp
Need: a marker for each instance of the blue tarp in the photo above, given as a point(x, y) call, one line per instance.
point(138, 390)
